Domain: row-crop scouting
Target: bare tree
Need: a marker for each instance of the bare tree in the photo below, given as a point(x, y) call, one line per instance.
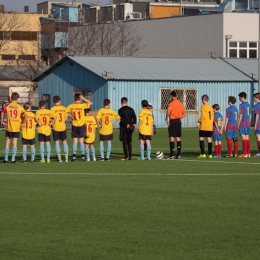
point(10, 22)
point(110, 39)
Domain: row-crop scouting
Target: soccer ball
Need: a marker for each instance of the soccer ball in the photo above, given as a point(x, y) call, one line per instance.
point(159, 155)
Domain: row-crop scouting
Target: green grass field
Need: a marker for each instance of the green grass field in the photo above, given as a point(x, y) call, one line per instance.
point(181, 209)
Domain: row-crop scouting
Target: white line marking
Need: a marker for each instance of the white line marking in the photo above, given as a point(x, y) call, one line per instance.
point(132, 174)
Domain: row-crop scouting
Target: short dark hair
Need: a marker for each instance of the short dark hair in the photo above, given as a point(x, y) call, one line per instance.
point(242, 94)
point(27, 105)
point(106, 102)
point(56, 99)
point(15, 96)
point(144, 103)
point(77, 96)
point(232, 100)
point(205, 97)
point(42, 103)
point(87, 110)
point(123, 100)
point(216, 106)
point(173, 93)
point(257, 95)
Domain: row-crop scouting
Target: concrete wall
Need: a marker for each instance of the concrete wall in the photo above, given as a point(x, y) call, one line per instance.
point(182, 37)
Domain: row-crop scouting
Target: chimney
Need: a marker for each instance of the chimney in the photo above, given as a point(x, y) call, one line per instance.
point(26, 9)
point(2, 9)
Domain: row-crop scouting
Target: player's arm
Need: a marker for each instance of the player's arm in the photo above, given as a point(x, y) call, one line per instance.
point(24, 119)
point(116, 119)
point(38, 121)
point(86, 100)
point(183, 111)
point(202, 111)
point(256, 118)
point(2, 118)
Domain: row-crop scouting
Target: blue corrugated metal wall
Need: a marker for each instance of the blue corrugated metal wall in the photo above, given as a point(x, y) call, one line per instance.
point(69, 75)
point(218, 92)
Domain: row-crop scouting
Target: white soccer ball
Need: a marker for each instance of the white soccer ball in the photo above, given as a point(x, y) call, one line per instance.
point(159, 155)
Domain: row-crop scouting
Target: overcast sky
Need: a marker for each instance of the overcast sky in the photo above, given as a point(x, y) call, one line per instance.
point(18, 5)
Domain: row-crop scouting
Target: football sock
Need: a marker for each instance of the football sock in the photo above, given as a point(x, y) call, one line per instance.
point(235, 147)
point(74, 148)
point(6, 153)
point(171, 148)
point(14, 153)
point(202, 149)
point(87, 152)
point(101, 148)
point(248, 146)
point(229, 146)
point(24, 153)
point(216, 149)
point(209, 148)
point(48, 150)
point(57, 149)
point(258, 145)
point(125, 149)
point(219, 149)
point(82, 148)
point(93, 152)
point(66, 150)
point(178, 147)
point(42, 151)
point(32, 153)
point(149, 151)
point(142, 151)
point(244, 145)
point(129, 149)
point(109, 146)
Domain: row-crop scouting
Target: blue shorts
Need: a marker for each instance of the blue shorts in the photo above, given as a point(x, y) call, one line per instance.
point(217, 137)
point(145, 137)
point(106, 137)
point(231, 134)
point(11, 135)
point(245, 131)
point(59, 135)
point(44, 138)
point(30, 142)
point(257, 132)
point(78, 131)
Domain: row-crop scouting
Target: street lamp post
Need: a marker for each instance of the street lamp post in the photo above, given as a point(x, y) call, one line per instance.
point(227, 37)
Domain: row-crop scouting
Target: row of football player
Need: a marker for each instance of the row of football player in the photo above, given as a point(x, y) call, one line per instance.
point(83, 127)
point(235, 120)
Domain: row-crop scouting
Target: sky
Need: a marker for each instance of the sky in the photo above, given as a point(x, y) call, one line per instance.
point(18, 5)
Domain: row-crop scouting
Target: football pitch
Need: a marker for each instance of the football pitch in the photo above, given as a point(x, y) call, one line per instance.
point(161, 209)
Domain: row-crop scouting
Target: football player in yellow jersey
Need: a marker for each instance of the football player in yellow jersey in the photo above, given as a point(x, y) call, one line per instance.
point(145, 127)
point(59, 116)
point(78, 132)
point(91, 125)
point(106, 118)
point(15, 119)
point(205, 124)
point(28, 132)
point(42, 117)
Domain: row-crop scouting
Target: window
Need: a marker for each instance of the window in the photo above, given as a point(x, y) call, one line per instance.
point(86, 92)
point(243, 50)
point(8, 57)
point(18, 36)
point(47, 98)
point(189, 98)
point(26, 57)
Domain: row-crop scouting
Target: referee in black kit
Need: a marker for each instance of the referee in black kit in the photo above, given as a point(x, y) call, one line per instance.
point(127, 126)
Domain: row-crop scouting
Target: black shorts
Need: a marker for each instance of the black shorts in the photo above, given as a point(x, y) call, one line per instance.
point(44, 138)
point(125, 135)
point(145, 137)
point(78, 131)
point(106, 137)
point(59, 135)
point(203, 133)
point(174, 128)
point(11, 135)
point(30, 142)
